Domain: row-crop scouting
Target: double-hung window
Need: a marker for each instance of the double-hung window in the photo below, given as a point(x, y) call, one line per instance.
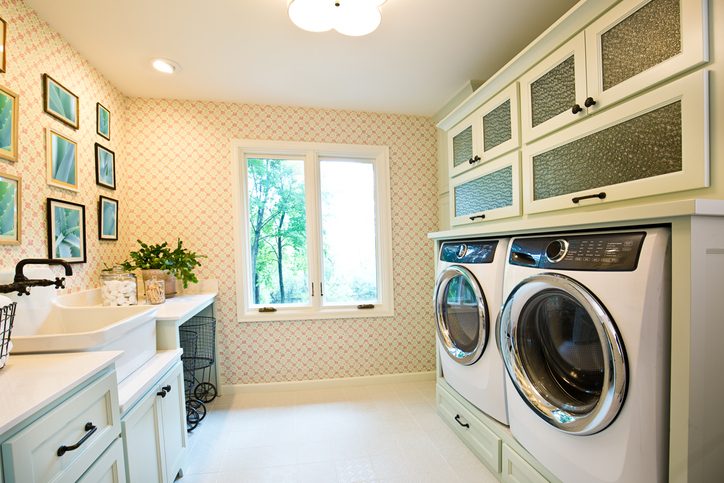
point(313, 226)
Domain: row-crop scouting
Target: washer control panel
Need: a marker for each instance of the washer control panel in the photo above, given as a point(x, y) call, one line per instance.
point(598, 251)
point(468, 251)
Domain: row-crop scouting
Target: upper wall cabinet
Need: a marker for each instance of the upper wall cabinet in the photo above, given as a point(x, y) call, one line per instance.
point(491, 131)
point(656, 143)
point(632, 47)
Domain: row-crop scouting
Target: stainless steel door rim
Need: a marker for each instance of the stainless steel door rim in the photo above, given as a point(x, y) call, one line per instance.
point(554, 399)
point(458, 354)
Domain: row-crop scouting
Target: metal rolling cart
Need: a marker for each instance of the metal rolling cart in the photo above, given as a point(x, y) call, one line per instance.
point(198, 340)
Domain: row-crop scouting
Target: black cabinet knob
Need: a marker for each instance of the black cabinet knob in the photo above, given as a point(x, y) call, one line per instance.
point(576, 109)
point(474, 159)
point(589, 102)
point(167, 388)
point(161, 393)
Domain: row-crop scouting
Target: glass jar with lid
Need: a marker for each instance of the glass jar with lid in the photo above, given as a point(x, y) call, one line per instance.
point(118, 287)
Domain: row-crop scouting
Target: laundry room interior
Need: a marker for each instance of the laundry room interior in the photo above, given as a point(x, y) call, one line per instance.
point(361, 241)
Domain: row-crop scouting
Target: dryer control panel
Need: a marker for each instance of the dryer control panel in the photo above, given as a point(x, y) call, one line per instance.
point(469, 251)
point(599, 251)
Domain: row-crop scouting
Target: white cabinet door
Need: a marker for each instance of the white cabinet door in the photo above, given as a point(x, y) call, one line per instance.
point(500, 129)
point(464, 145)
point(656, 143)
point(142, 441)
point(173, 415)
point(109, 468)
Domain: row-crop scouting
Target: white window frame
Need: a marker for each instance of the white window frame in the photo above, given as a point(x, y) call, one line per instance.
point(311, 152)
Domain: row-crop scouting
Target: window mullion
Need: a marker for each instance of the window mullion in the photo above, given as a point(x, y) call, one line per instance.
point(313, 225)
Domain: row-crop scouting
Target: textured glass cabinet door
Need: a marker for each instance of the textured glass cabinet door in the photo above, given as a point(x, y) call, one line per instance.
point(488, 192)
point(499, 117)
point(549, 90)
point(653, 144)
point(640, 43)
point(464, 145)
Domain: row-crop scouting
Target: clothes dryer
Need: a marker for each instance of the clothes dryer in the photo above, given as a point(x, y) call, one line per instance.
point(584, 336)
point(467, 297)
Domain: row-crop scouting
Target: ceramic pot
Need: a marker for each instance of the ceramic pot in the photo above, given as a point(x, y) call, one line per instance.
point(165, 275)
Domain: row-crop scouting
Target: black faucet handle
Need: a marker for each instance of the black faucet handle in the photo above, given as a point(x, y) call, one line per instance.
point(59, 282)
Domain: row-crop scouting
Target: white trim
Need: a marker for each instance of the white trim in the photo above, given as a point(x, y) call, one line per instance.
point(311, 152)
point(328, 383)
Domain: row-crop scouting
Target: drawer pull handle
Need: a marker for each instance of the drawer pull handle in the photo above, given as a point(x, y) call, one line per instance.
point(464, 425)
point(600, 196)
point(167, 388)
point(89, 428)
point(473, 218)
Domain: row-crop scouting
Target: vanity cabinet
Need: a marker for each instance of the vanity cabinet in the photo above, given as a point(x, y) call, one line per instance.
point(109, 468)
point(656, 143)
point(491, 131)
point(635, 45)
point(489, 192)
point(154, 431)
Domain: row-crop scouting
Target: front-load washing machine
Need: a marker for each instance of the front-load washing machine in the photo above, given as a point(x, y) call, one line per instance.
point(584, 336)
point(467, 297)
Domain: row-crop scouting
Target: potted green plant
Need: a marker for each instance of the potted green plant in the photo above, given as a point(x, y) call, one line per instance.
point(161, 262)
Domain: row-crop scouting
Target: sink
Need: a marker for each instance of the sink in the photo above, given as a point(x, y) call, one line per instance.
point(46, 322)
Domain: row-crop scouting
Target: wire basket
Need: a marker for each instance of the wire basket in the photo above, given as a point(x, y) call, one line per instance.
point(7, 315)
point(198, 340)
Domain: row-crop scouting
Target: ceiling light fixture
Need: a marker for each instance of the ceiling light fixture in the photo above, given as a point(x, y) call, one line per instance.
point(165, 66)
point(349, 17)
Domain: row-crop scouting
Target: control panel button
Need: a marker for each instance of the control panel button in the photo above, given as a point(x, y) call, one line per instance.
point(556, 250)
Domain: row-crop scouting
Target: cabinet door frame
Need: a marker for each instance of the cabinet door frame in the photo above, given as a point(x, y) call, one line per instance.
point(175, 399)
point(575, 46)
point(148, 403)
point(692, 90)
point(509, 93)
point(472, 121)
point(511, 159)
point(694, 52)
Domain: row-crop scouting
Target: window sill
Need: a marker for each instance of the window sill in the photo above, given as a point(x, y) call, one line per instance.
point(330, 313)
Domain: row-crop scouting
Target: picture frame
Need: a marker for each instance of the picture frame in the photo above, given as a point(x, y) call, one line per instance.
point(105, 167)
point(3, 36)
point(66, 231)
point(62, 160)
point(60, 102)
point(107, 218)
point(8, 124)
point(103, 121)
point(10, 209)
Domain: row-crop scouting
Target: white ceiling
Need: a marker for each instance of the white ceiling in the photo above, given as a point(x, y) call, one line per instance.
point(249, 51)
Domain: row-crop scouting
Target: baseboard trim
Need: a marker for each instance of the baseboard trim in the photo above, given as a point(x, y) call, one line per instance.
point(328, 383)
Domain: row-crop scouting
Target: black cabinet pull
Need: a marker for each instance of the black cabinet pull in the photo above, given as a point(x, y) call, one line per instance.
point(576, 109)
point(464, 425)
point(589, 102)
point(161, 393)
point(167, 388)
point(600, 196)
point(89, 428)
point(474, 159)
point(473, 218)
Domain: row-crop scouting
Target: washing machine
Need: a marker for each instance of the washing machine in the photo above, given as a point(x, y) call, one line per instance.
point(584, 337)
point(467, 297)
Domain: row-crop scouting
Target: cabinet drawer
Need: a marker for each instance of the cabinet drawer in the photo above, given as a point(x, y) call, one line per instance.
point(482, 441)
point(517, 470)
point(109, 468)
point(32, 454)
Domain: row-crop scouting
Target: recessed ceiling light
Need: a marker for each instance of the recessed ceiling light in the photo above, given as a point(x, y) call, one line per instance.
point(165, 66)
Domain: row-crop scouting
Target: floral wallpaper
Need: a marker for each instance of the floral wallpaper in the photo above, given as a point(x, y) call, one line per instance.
point(179, 183)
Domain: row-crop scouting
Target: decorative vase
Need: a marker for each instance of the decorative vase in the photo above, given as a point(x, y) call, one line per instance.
point(165, 275)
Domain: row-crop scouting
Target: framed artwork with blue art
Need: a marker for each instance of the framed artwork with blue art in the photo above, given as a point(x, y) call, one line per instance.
point(8, 124)
point(60, 103)
point(10, 208)
point(66, 231)
point(62, 161)
point(103, 121)
point(107, 218)
point(105, 167)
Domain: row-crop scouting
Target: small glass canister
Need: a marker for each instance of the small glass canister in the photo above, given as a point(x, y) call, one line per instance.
point(118, 287)
point(155, 291)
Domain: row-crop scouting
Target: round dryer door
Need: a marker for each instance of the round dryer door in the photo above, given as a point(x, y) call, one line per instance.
point(563, 353)
point(461, 314)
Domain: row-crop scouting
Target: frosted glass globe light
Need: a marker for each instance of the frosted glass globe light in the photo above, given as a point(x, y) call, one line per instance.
point(348, 17)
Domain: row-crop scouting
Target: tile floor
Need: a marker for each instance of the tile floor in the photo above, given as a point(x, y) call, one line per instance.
point(375, 433)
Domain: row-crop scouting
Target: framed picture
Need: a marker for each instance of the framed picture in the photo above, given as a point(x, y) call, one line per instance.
point(3, 36)
point(10, 208)
point(103, 121)
point(62, 161)
point(107, 218)
point(59, 102)
point(66, 231)
point(8, 124)
point(105, 167)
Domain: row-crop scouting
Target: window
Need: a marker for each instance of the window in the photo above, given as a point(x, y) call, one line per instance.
point(313, 231)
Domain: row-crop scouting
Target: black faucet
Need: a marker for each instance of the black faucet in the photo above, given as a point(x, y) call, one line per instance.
point(21, 283)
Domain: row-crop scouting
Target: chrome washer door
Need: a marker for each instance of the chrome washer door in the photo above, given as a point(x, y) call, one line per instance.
point(461, 315)
point(563, 353)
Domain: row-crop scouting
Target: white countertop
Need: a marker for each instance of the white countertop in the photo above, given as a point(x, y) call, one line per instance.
point(135, 385)
point(30, 382)
point(181, 307)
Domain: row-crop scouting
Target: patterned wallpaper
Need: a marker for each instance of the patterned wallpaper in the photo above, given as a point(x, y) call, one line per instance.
point(179, 183)
point(32, 50)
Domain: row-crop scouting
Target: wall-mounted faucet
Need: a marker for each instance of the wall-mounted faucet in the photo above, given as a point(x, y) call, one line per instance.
point(21, 283)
